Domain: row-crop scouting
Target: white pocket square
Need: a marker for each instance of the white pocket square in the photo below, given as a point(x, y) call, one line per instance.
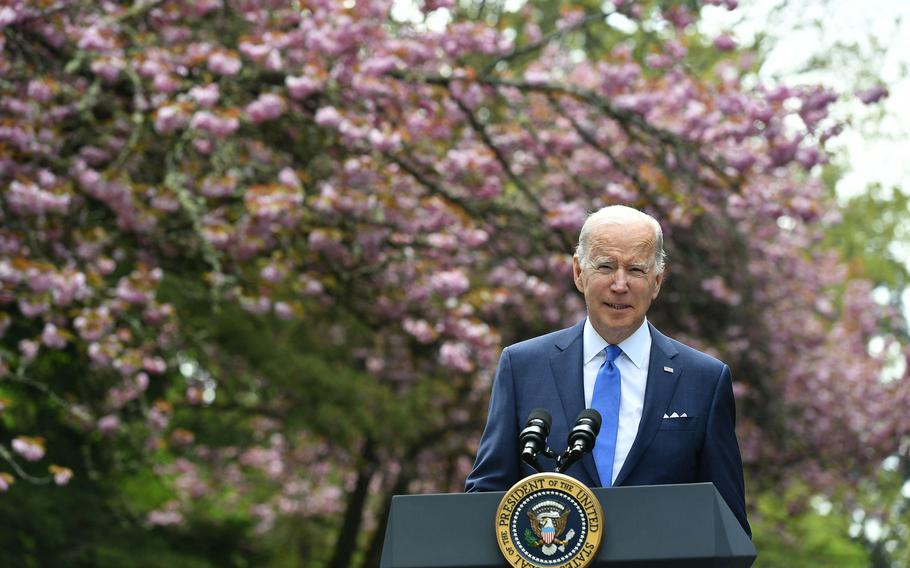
point(675, 415)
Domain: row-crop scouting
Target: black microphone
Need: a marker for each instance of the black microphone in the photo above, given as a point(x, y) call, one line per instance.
point(581, 438)
point(533, 439)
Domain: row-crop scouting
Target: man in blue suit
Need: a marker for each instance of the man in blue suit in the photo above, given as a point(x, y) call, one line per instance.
point(669, 414)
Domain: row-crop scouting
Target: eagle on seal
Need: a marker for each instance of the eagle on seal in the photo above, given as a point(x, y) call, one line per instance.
point(548, 527)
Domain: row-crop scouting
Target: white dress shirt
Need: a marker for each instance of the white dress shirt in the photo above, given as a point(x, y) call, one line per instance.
point(633, 366)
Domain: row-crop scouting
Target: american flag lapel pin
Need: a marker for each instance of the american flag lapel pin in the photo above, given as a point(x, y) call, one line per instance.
point(668, 369)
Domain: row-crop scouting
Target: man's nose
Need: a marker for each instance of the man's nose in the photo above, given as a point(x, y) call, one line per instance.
point(620, 281)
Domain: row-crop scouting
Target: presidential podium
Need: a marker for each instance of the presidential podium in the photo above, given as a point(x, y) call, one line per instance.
point(679, 526)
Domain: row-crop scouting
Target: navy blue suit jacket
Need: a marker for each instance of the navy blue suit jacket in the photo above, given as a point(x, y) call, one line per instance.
point(546, 372)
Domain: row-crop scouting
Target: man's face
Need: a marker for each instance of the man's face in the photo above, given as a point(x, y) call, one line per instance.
point(619, 279)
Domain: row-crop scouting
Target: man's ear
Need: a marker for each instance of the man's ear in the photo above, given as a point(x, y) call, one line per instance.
point(576, 274)
point(658, 280)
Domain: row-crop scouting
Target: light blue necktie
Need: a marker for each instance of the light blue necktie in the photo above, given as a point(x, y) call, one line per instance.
point(607, 390)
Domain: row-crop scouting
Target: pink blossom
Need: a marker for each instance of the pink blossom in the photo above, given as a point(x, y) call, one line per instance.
point(62, 475)
point(719, 290)
point(194, 395)
point(659, 60)
point(537, 76)
point(128, 291)
point(284, 310)
point(28, 349)
point(154, 365)
point(725, 42)
point(380, 65)
point(384, 142)
point(165, 83)
point(205, 95)
point(32, 449)
point(808, 157)
point(449, 283)
point(818, 98)
point(431, 5)
point(68, 287)
point(224, 64)
point(475, 237)
point(420, 329)
point(256, 52)
point(108, 424)
point(203, 145)
point(640, 103)
point(164, 518)
point(93, 324)
point(872, 94)
point(219, 126)
point(267, 107)
point(302, 87)
point(272, 273)
point(456, 356)
point(258, 306)
point(96, 39)
point(679, 16)
point(106, 265)
point(39, 90)
point(203, 7)
point(52, 337)
point(310, 286)
point(158, 418)
point(141, 381)
point(108, 68)
point(288, 177)
point(566, 216)
point(328, 116)
point(8, 15)
point(29, 198)
point(31, 310)
point(170, 118)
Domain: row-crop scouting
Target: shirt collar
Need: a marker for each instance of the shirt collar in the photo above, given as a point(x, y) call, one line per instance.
point(636, 346)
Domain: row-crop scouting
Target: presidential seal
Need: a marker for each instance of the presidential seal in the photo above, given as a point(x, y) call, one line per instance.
point(549, 520)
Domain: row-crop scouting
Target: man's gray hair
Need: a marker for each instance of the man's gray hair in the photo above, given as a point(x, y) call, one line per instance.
point(617, 215)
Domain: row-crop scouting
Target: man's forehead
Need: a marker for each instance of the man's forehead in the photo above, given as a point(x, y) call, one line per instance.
point(603, 245)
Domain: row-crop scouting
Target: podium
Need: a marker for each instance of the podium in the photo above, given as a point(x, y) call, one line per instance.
point(650, 526)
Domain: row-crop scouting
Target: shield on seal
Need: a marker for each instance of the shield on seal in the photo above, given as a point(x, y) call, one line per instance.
point(548, 533)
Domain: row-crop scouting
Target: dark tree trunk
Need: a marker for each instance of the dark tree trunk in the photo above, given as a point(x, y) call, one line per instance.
point(353, 514)
point(374, 552)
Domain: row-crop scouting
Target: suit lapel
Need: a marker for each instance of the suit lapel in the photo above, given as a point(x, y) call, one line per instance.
point(566, 367)
point(658, 393)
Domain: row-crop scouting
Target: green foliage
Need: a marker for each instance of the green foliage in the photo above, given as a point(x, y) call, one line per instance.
point(885, 502)
point(81, 526)
point(530, 539)
point(790, 534)
point(874, 223)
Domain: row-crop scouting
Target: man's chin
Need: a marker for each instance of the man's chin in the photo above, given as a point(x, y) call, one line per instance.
point(616, 330)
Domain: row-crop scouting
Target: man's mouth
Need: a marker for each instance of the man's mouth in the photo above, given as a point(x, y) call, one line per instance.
point(618, 306)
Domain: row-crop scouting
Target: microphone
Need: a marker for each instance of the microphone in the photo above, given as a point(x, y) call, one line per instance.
point(533, 439)
point(581, 438)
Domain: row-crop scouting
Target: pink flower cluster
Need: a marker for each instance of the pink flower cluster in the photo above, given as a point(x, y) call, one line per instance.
point(29, 448)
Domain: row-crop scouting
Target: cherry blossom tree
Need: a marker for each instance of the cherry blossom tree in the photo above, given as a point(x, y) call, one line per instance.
point(270, 250)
